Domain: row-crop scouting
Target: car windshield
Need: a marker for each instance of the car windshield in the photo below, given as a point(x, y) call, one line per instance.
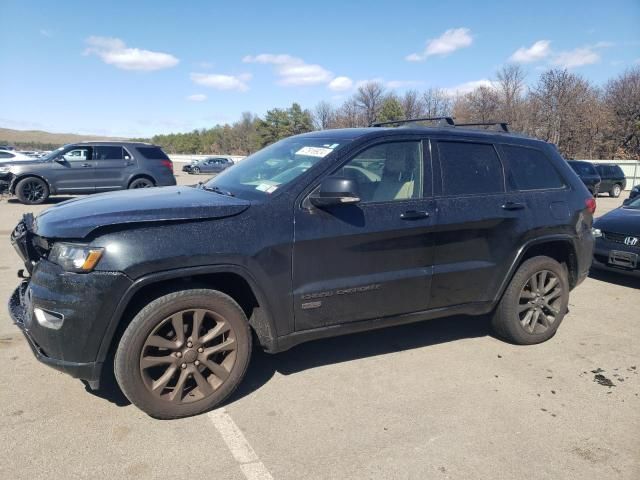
point(633, 204)
point(583, 168)
point(261, 174)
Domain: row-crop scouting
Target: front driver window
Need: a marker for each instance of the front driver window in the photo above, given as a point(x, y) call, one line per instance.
point(387, 172)
point(77, 155)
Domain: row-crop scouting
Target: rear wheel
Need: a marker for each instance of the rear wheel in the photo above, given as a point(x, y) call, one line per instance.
point(32, 191)
point(535, 302)
point(141, 183)
point(615, 191)
point(184, 353)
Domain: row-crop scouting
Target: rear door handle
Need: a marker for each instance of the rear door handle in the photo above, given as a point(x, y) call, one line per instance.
point(86, 165)
point(414, 215)
point(513, 206)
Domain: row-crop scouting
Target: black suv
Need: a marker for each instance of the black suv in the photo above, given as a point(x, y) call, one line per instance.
point(588, 174)
point(321, 234)
point(87, 167)
point(612, 179)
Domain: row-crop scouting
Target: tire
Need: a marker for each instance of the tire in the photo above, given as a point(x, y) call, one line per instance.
point(141, 182)
point(510, 319)
point(32, 191)
point(616, 190)
point(195, 171)
point(155, 325)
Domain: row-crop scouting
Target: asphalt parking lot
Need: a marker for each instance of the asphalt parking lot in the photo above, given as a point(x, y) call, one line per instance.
point(439, 399)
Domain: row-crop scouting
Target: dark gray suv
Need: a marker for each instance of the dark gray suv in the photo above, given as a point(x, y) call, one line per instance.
point(87, 167)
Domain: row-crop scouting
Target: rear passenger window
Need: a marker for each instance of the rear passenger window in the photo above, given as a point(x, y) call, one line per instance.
point(530, 169)
point(108, 153)
point(153, 153)
point(470, 168)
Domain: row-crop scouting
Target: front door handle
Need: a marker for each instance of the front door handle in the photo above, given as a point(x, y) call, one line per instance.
point(513, 206)
point(414, 215)
point(86, 165)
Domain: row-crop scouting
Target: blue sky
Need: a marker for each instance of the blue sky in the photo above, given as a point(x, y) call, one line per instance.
point(138, 68)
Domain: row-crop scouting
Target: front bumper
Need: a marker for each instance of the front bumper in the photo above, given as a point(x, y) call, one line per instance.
point(87, 303)
point(603, 255)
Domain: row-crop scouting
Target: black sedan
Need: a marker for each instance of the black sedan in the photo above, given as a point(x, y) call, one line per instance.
point(208, 165)
point(618, 239)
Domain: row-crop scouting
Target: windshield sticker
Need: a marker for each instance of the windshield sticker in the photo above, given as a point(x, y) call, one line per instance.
point(320, 152)
point(271, 189)
point(263, 187)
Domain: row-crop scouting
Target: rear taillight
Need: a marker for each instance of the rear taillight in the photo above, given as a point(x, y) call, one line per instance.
point(168, 164)
point(590, 203)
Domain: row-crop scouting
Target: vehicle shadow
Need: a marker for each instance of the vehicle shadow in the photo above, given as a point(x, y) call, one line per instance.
point(359, 345)
point(616, 278)
point(50, 200)
point(330, 351)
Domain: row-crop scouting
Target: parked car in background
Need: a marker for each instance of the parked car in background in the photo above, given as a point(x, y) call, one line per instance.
point(635, 192)
point(12, 156)
point(87, 167)
point(612, 179)
point(321, 234)
point(208, 165)
point(588, 174)
point(618, 239)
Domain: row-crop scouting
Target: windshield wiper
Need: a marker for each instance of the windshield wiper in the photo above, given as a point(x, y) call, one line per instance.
point(215, 189)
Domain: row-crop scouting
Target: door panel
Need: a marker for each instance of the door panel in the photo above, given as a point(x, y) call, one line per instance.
point(110, 167)
point(368, 260)
point(74, 172)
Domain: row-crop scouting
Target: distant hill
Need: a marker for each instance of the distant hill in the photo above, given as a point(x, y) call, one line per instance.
point(44, 140)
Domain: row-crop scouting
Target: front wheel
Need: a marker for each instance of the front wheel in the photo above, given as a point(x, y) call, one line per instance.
point(615, 191)
point(184, 353)
point(32, 191)
point(535, 302)
point(195, 171)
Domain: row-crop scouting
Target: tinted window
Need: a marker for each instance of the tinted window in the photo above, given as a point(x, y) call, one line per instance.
point(530, 169)
point(470, 168)
point(583, 168)
point(387, 172)
point(108, 153)
point(153, 153)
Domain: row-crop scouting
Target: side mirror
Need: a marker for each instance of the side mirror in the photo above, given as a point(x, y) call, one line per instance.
point(60, 159)
point(626, 201)
point(335, 191)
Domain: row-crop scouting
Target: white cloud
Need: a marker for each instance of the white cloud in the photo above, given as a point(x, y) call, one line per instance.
point(403, 83)
point(114, 51)
point(222, 82)
point(450, 41)
point(197, 97)
point(340, 84)
point(469, 87)
point(537, 51)
point(293, 71)
point(577, 57)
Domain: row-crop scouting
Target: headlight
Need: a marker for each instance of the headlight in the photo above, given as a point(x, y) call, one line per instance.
point(597, 233)
point(75, 258)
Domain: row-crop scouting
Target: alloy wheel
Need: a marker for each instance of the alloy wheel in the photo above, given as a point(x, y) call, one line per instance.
point(188, 356)
point(540, 302)
point(33, 191)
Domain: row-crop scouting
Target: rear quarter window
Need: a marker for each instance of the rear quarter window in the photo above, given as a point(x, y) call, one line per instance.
point(470, 168)
point(531, 169)
point(153, 153)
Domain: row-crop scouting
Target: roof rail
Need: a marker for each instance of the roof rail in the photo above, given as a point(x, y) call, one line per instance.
point(502, 126)
point(442, 121)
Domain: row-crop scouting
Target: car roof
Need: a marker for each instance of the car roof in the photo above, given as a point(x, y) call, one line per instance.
point(113, 144)
point(360, 133)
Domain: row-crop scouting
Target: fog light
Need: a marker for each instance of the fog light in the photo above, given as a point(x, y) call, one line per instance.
point(597, 233)
point(51, 320)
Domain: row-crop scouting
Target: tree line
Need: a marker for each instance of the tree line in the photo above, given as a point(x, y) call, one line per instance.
point(584, 120)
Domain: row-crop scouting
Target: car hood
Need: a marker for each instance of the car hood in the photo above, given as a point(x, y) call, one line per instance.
point(620, 220)
point(77, 218)
point(21, 163)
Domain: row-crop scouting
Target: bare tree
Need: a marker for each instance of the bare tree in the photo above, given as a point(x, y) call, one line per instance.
point(349, 115)
point(481, 105)
point(622, 101)
point(324, 116)
point(369, 98)
point(437, 103)
point(412, 104)
point(511, 90)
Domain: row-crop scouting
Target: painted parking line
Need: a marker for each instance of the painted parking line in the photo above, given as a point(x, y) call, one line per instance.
point(242, 451)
